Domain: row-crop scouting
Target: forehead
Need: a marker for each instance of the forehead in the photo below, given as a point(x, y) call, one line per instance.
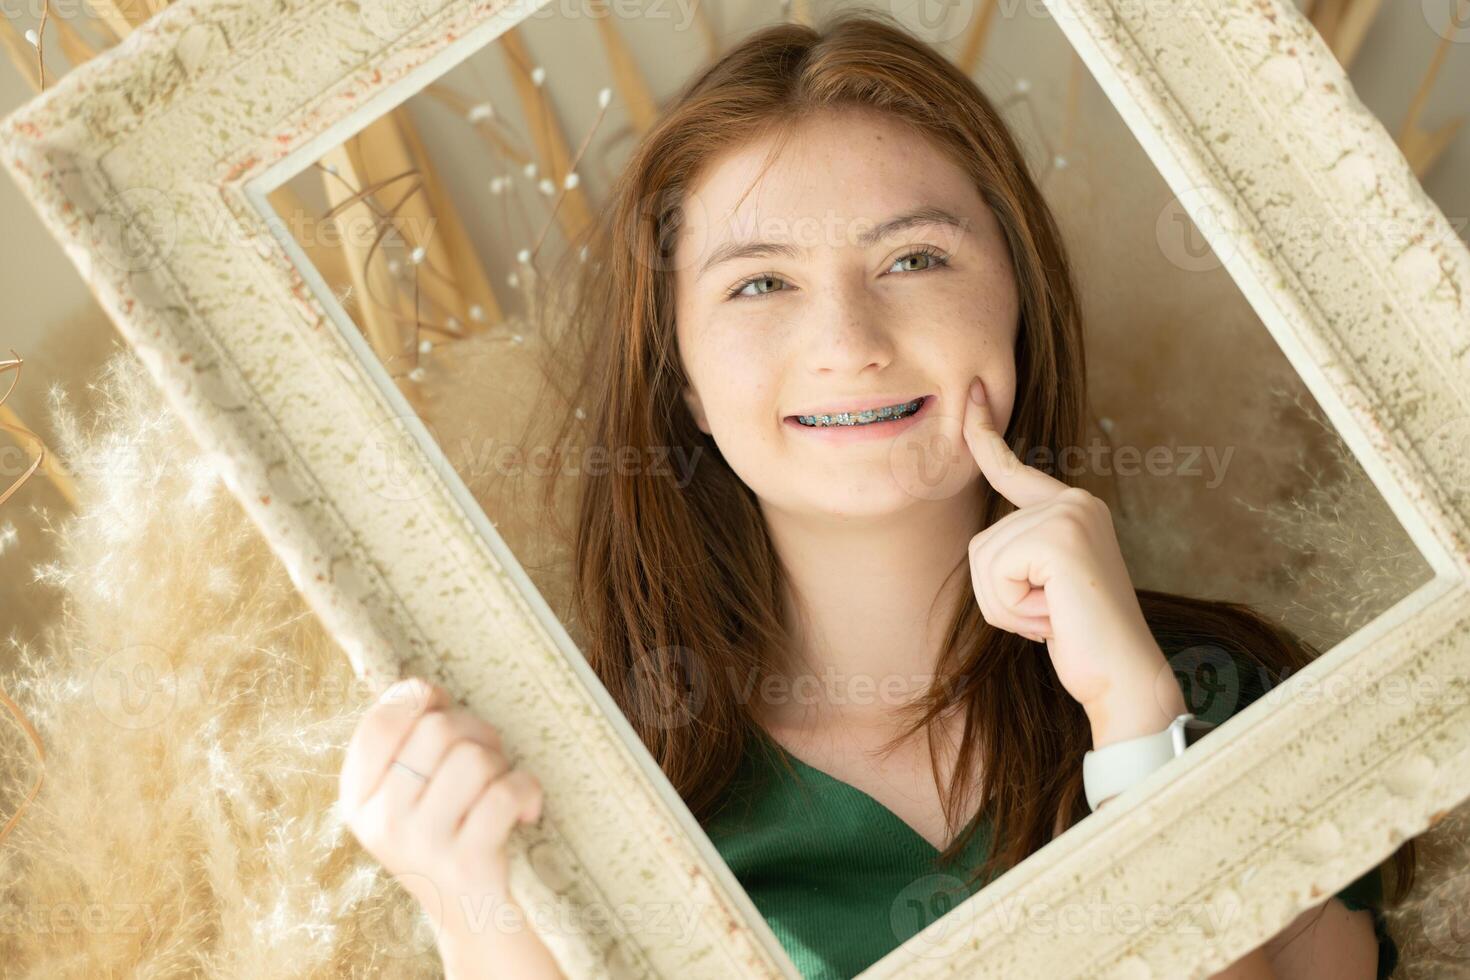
point(838, 174)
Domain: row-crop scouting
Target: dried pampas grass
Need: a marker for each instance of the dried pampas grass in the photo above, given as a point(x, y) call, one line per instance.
point(193, 715)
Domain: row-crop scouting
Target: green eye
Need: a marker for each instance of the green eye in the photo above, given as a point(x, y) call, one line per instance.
point(763, 277)
point(933, 253)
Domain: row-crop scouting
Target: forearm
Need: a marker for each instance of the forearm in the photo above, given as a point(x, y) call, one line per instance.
point(505, 947)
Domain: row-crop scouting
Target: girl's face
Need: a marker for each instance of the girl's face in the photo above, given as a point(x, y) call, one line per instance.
point(837, 311)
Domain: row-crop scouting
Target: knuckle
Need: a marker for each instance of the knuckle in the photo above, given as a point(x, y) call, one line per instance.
point(1096, 503)
point(1078, 495)
point(473, 760)
point(467, 724)
point(1073, 521)
point(436, 728)
point(500, 795)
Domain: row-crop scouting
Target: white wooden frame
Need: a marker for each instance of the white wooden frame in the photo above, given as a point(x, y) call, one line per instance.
point(1250, 120)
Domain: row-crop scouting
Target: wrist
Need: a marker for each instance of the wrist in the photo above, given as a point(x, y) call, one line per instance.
point(1144, 706)
point(498, 942)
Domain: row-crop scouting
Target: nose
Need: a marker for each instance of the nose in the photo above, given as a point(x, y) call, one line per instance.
point(845, 329)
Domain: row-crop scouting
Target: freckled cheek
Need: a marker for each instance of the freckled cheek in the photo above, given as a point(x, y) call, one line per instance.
point(955, 339)
point(741, 385)
point(980, 332)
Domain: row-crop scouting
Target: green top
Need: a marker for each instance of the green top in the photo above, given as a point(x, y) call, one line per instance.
point(842, 880)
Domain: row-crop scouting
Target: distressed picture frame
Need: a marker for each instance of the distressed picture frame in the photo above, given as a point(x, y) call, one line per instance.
point(1253, 124)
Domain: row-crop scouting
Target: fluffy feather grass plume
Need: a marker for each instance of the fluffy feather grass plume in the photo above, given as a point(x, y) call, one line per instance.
point(1345, 557)
point(193, 715)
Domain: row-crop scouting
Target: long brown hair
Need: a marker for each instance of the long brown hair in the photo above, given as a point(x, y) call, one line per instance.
point(677, 588)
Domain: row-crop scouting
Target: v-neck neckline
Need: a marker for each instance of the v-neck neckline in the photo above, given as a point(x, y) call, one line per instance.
point(872, 801)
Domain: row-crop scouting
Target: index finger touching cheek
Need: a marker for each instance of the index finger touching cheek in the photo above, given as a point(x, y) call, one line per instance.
point(1019, 483)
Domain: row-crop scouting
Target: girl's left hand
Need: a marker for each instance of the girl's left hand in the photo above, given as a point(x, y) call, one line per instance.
point(1052, 571)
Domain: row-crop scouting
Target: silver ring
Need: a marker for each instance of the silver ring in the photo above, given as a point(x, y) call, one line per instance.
point(406, 769)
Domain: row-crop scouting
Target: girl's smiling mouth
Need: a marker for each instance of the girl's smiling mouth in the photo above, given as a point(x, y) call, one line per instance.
point(853, 425)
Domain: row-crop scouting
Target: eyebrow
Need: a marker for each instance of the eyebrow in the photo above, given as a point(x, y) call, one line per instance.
point(927, 215)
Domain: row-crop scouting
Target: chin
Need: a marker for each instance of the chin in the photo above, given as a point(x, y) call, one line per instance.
point(857, 506)
point(825, 491)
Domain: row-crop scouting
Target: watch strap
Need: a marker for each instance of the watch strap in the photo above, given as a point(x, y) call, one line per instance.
point(1112, 769)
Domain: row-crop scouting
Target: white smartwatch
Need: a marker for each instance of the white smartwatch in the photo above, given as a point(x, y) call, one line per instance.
point(1112, 769)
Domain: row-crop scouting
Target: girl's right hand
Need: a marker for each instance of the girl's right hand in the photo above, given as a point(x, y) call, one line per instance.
point(443, 838)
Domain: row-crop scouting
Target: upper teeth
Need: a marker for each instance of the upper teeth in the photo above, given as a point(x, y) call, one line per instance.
point(863, 417)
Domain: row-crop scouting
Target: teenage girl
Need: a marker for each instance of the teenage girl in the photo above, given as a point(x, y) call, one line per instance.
point(891, 636)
